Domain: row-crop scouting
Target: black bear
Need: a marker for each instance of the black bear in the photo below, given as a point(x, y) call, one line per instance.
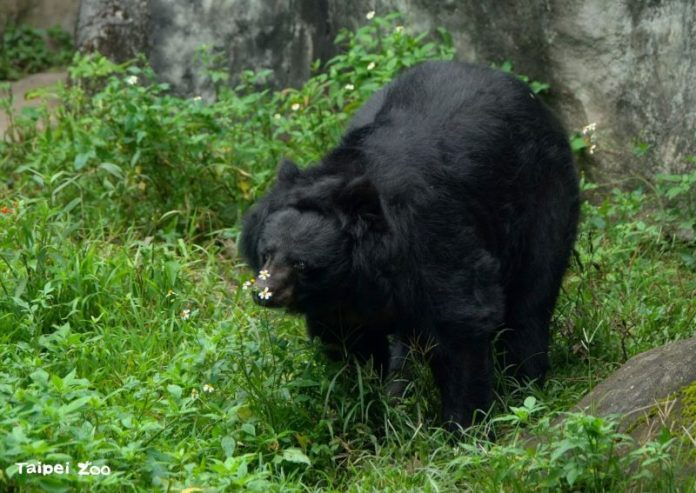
point(446, 214)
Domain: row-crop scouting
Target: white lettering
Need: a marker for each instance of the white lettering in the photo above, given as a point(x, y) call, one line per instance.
point(85, 468)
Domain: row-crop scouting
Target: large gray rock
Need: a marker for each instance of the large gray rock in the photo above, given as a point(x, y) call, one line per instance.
point(119, 29)
point(649, 390)
point(627, 65)
point(280, 35)
point(39, 13)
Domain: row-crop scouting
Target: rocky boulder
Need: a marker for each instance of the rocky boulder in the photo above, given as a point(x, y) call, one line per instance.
point(650, 390)
point(627, 66)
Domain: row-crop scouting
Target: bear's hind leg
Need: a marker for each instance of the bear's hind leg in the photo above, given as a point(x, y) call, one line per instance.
point(523, 347)
point(524, 342)
point(542, 256)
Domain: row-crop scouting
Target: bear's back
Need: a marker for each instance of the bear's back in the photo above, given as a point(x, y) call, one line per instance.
point(449, 124)
point(458, 145)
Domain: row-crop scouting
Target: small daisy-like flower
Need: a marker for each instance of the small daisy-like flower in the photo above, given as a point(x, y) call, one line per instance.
point(196, 98)
point(589, 129)
point(185, 314)
point(592, 149)
point(131, 80)
point(371, 66)
point(295, 107)
point(370, 15)
point(277, 116)
point(399, 29)
point(350, 87)
point(247, 285)
point(170, 293)
point(208, 388)
point(194, 394)
point(265, 294)
point(264, 274)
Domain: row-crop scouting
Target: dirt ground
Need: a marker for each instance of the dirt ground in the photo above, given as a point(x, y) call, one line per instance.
point(25, 86)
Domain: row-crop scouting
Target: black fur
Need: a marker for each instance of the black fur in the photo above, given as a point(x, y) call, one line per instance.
point(446, 215)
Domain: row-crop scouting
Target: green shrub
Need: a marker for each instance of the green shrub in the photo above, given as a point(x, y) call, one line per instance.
point(26, 50)
point(135, 154)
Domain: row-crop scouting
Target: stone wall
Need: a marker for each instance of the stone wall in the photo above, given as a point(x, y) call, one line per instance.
point(40, 13)
point(627, 65)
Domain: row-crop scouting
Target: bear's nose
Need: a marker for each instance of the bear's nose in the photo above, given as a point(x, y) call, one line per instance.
point(265, 296)
point(263, 289)
point(273, 288)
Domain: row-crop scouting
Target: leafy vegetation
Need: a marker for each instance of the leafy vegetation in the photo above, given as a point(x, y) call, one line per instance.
point(127, 340)
point(26, 50)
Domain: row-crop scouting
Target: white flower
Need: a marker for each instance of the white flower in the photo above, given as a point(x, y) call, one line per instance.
point(185, 314)
point(589, 129)
point(592, 149)
point(371, 66)
point(350, 87)
point(399, 29)
point(265, 294)
point(370, 15)
point(247, 285)
point(132, 80)
point(295, 107)
point(277, 116)
point(264, 274)
point(194, 394)
point(208, 388)
point(196, 98)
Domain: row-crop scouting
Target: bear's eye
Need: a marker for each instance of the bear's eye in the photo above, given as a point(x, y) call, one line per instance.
point(300, 265)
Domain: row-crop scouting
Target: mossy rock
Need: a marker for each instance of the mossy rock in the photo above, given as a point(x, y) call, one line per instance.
point(650, 392)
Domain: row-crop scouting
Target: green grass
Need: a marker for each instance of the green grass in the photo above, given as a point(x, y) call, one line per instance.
point(126, 338)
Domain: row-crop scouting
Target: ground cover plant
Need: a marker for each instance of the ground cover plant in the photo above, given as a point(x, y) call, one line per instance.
point(127, 339)
point(26, 50)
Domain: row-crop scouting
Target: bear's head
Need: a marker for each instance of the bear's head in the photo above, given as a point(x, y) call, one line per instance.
point(301, 237)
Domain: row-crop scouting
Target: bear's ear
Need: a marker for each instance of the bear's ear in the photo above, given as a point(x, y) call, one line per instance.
point(288, 172)
point(359, 199)
point(252, 226)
